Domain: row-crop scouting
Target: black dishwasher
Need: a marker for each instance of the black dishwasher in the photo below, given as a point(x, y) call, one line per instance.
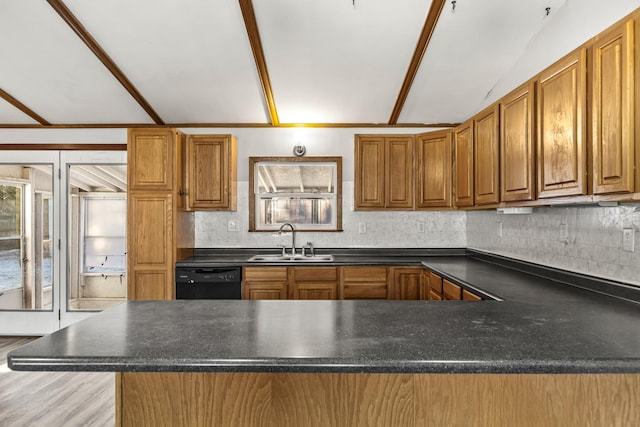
point(208, 283)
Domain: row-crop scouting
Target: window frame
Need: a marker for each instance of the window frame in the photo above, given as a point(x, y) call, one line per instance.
point(254, 198)
point(82, 234)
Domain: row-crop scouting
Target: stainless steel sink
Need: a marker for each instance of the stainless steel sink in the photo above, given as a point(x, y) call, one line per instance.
point(291, 258)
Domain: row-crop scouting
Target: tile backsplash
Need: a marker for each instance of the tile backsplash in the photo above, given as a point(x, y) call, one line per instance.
point(392, 229)
point(581, 239)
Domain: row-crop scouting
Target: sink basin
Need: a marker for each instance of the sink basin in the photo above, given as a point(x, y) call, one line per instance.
point(291, 258)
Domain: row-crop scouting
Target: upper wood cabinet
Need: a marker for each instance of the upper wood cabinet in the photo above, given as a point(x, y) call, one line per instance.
point(562, 155)
point(612, 110)
point(384, 172)
point(210, 172)
point(150, 159)
point(433, 178)
point(517, 144)
point(487, 156)
point(463, 165)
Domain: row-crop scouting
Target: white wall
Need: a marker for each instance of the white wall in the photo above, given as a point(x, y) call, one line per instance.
point(571, 26)
point(63, 136)
point(594, 238)
point(383, 229)
point(592, 243)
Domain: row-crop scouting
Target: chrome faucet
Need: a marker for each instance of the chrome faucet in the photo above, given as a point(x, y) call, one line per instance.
point(293, 237)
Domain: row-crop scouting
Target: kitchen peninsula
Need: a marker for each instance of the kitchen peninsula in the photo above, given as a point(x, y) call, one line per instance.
point(549, 354)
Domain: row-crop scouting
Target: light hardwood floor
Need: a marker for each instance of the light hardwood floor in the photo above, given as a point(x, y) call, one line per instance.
point(52, 399)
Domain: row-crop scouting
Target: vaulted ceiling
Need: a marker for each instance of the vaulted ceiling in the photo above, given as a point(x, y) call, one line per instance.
point(261, 63)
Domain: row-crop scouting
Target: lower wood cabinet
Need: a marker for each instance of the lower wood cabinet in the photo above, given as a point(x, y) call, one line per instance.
point(370, 282)
point(349, 282)
point(265, 283)
point(308, 283)
point(441, 289)
point(407, 283)
point(313, 283)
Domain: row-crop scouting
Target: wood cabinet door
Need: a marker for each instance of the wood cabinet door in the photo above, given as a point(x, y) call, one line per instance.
point(612, 110)
point(369, 172)
point(399, 172)
point(517, 153)
point(407, 282)
point(150, 246)
point(313, 283)
point(150, 158)
point(433, 178)
point(463, 165)
point(151, 284)
point(211, 172)
point(150, 225)
point(561, 132)
point(487, 156)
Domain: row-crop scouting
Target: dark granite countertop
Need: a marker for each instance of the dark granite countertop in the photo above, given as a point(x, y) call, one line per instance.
point(235, 257)
point(544, 325)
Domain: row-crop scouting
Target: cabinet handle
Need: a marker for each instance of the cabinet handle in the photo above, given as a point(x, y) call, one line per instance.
point(182, 192)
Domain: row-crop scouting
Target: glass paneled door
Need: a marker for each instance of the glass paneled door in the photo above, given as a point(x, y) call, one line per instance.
point(62, 237)
point(29, 229)
point(95, 225)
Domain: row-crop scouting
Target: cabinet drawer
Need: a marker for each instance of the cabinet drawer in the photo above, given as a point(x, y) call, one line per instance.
point(433, 296)
point(435, 283)
point(365, 291)
point(364, 274)
point(451, 291)
point(315, 274)
point(470, 296)
point(265, 274)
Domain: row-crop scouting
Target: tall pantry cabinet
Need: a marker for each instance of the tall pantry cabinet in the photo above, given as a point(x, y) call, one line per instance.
point(158, 233)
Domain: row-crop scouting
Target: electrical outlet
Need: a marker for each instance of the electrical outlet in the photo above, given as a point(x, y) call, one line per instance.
point(564, 232)
point(421, 227)
point(362, 227)
point(628, 240)
point(233, 225)
point(499, 229)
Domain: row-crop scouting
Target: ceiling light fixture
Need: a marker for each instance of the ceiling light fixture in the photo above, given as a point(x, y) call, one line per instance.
point(299, 150)
point(548, 10)
point(453, 5)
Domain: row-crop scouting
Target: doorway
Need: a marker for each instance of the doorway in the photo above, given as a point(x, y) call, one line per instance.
point(62, 237)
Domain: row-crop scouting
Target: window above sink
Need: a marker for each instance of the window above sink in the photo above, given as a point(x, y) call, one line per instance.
point(303, 191)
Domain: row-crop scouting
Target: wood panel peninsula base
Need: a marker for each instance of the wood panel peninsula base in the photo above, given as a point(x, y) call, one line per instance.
point(367, 399)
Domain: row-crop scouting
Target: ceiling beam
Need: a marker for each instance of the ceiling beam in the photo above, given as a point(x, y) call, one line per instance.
point(20, 106)
point(97, 50)
point(418, 54)
point(251, 25)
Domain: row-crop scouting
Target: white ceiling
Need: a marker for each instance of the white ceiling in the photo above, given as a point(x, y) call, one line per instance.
point(329, 61)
